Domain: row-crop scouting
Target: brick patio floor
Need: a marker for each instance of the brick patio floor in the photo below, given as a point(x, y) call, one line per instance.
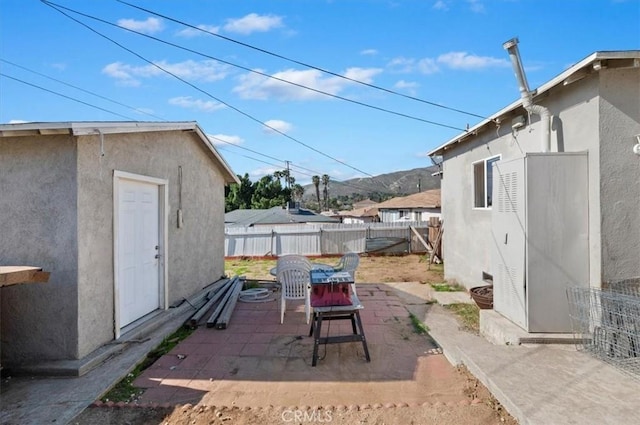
point(258, 362)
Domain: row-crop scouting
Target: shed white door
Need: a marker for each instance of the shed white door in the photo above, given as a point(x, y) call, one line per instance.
point(138, 250)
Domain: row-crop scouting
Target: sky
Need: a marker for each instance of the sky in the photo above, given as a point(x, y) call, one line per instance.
point(347, 88)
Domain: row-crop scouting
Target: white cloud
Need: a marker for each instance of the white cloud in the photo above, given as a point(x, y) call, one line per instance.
point(150, 26)
point(452, 60)
point(253, 23)
point(281, 126)
point(188, 102)
point(122, 73)
point(225, 139)
point(409, 65)
point(441, 5)
point(208, 70)
point(369, 52)
point(427, 66)
point(362, 74)
point(463, 60)
point(408, 86)
point(192, 32)
point(261, 172)
point(476, 6)
point(18, 121)
point(254, 86)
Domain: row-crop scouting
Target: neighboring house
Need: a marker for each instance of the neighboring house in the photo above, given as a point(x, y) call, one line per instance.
point(364, 204)
point(359, 216)
point(548, 197)
point(274, 216)
point(417, 207)
point(127, 217)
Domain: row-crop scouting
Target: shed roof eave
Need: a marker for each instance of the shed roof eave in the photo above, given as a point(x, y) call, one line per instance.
point(86, 128)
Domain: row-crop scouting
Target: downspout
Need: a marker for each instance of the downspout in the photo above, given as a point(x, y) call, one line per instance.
point(527, 99)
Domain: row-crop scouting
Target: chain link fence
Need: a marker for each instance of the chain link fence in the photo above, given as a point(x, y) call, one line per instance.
point(606, 323)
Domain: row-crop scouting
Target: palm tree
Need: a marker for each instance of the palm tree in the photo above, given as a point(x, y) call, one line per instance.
point(325, 191)
point(297, 191)
point(316, 183)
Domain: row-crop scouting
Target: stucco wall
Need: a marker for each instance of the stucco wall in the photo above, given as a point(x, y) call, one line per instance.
point(38, 228)
point(467, 244)
point(195, 251)
point(620, 183)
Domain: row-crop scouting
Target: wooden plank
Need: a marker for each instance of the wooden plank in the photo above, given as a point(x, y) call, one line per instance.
point(436, 246)
point(225, 315)
point(13, 275)
point(419, 236)
point(218, 292)
point(211, 322)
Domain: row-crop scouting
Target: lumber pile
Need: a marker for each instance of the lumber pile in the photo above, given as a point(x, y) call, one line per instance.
point(217, 305)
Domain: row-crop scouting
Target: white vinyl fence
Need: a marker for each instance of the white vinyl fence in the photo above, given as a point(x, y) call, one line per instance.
point(324, 239)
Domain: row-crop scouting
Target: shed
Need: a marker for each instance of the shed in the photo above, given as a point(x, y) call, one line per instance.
point(128, 217)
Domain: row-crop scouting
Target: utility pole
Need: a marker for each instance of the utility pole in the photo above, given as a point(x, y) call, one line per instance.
point(419, 189)
point(288, 178)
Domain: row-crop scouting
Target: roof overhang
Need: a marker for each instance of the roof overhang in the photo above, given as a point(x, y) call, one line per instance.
point(87, 128)
point(593, 63)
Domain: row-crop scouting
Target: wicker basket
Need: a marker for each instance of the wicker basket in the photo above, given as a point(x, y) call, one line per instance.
point(483, 296)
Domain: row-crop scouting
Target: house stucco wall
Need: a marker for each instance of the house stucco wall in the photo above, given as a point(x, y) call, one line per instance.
point(620, 169)
point(195, 255)
point(38, 228)
point(467, 244)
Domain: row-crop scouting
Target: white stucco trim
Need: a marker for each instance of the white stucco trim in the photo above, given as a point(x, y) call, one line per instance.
point(163, 220)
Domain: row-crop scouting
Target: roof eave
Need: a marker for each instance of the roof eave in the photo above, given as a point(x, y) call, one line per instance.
point(86, 128)
point(563, 77)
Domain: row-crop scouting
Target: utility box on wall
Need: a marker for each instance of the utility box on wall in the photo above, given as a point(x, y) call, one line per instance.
point(540, 230)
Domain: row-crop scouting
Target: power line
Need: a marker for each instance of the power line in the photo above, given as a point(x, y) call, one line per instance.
point(301, 63)
point(260, 153)
point(343, 183)
point(211, 137)
point(65, 96)
point(335, 96)
point(57, 8)
point(81, 89)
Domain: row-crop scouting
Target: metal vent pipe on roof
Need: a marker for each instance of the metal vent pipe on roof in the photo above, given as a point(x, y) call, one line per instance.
point(527, 99)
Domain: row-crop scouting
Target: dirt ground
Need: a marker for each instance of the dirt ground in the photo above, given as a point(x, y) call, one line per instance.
point(481, 408)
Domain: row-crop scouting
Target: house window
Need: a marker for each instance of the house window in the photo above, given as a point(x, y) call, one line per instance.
point(483, 182)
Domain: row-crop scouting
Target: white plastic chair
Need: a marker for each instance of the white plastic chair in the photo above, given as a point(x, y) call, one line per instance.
point(300, 260)
point(295, 284)
point(349, 263)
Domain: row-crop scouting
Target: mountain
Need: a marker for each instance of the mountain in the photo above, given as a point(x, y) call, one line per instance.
point(398, 183)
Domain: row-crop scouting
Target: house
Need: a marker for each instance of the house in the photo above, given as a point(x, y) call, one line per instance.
point(545, 194)
point(365, 203)
point(359, 216)
point(417, 207)
point(274, 216)
point(126, 216)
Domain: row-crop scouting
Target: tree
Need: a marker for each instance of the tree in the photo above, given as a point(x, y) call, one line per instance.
point(325, 190)
point(239, 195)
point(316, 183)
point(268, 193)
point(297, 191)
